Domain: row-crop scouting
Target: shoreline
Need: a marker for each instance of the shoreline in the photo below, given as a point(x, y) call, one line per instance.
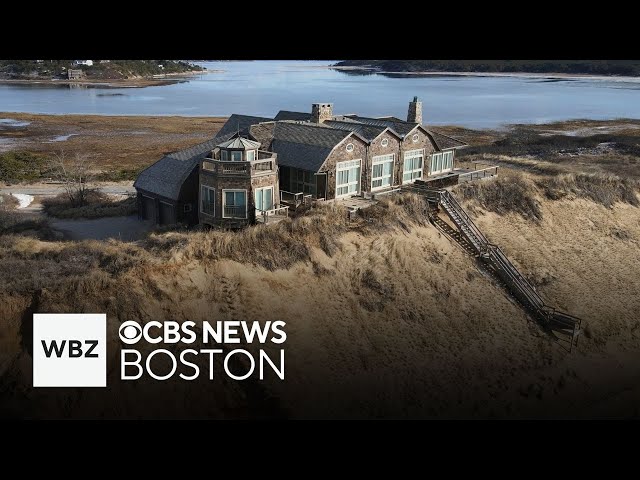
point(549, 75)
point(139, 82)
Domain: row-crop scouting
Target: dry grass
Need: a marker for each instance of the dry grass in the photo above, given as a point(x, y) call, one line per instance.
point(606, 190)
point(521, 193)
point(513, 193)
point(282, 245)
point(97, 205)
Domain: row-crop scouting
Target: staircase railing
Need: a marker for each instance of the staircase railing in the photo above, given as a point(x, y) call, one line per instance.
point(494, 257)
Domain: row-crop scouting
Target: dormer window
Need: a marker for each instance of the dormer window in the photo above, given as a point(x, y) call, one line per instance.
point(251, 155)
point(236, 156)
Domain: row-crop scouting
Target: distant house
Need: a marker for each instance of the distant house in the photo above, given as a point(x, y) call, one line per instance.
point(254, 163)
point(87, 63)
point(74, 74)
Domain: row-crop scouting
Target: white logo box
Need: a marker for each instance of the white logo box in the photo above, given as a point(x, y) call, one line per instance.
point(75, 359)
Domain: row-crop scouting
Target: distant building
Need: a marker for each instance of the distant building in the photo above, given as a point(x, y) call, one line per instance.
point(75, 74)
point(254, 164)
point(88, 63)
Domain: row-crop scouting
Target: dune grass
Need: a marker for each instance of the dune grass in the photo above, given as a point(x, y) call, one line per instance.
point(97, 205)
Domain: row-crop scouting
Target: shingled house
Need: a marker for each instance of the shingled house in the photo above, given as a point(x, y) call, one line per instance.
point(253, 162)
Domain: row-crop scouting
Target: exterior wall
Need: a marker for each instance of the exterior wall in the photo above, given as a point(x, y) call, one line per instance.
point(423, 142)
point(220, 183)
point(340, 154)
point(374, 149)
point(188, 196)
point(155, 201)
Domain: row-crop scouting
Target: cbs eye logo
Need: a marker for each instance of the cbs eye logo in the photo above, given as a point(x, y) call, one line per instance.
point(130, 332)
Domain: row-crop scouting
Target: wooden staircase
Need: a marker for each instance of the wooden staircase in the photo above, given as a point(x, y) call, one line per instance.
point(562, 326)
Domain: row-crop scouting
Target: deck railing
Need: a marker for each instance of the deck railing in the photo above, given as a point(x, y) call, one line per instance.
point(478, 174)
point(255, 167)
point(235, 211)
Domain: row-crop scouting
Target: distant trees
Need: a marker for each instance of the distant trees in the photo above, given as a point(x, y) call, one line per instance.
point(593, 67)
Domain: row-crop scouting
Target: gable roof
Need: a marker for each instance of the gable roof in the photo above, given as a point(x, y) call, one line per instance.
point(300, 145)
point(368, 132)
point(444, 142)
point(289, 115)
point(238, 123)
point(166, 176)
point(398, 126)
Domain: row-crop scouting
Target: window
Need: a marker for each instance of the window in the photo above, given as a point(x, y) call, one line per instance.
point(382, 171)
point(208, 200)
point(303, 181)
point(264, 198)
point(251, 155)
point(384, 142)
point(412, 168)
point(234, 203)
point(186, 208)
point(224, 155)
point(441, 162)
point(236, 156)
point(415, 138)
point(347, 178)
point(349, 147)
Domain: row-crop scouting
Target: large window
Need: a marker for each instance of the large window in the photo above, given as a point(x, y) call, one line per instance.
point(412, 169)
point(224, 155)
point(348, 178)
point(208, 200)
point(264, 198)
point(303, 181)
point(382, 171)
point(236, 156)
point(251, 155)
point(234, 203)
point(441, 162)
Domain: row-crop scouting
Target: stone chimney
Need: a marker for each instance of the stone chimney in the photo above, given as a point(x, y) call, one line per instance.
point(415, 111)
point(321, 112)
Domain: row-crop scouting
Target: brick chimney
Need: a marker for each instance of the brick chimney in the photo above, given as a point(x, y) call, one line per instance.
point(321, 112)
point(415, 111)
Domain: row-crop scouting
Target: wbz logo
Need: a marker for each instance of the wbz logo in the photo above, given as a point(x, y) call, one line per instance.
point(69, 350)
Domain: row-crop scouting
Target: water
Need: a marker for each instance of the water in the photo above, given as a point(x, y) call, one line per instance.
point(264, 87)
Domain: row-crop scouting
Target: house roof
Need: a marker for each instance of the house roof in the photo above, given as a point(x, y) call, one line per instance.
point(166, 176)
point(444, 142)
point(240, 143)
point(288, 115)
point(299, 155)
point(369, 132)
point(238, 123)
point(402, 128)
point(300, 145)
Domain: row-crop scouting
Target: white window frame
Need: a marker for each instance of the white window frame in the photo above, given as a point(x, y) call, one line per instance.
point(349, 147)
point(384, 142)
point(437, 161)
point(252, 152)
point(256, 193)
point(347, 165)
point(408, 155)
point(381, 160)
point(202, 187)
point(224, 201)
point(415, 138)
